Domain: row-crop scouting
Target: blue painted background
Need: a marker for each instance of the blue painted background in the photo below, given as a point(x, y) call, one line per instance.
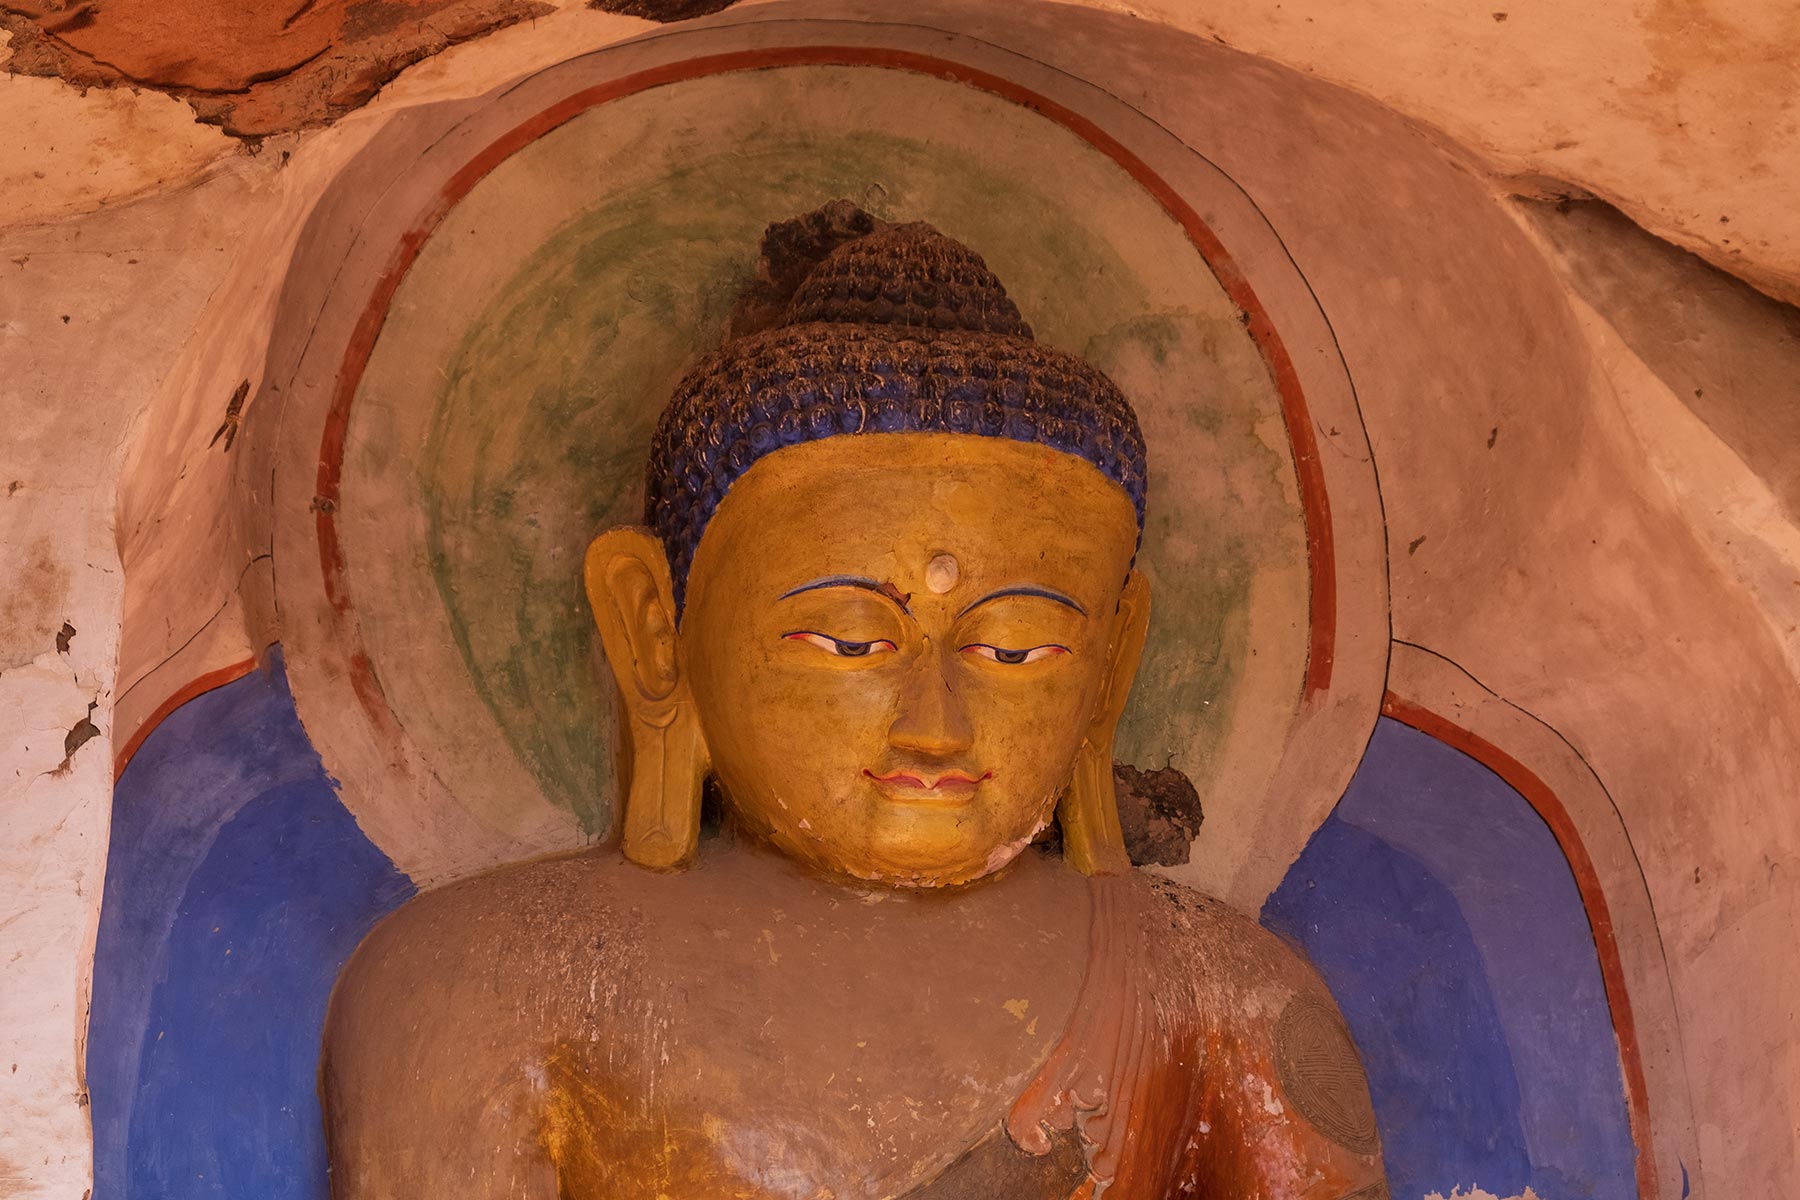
point(236, 887)
point(1442, 913)
point(1434, 901)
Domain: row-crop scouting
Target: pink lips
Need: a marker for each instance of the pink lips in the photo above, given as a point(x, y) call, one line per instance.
point(950, 787)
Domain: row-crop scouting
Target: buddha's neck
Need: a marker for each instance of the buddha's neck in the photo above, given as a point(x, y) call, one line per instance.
point(1031, 870)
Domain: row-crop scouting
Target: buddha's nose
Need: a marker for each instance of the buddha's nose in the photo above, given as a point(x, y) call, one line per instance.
point(933, 719)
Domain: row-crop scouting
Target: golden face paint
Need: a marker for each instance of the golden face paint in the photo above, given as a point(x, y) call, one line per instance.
point(871, 723)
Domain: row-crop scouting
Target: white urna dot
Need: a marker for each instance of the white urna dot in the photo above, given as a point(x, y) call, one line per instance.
point(941, 573)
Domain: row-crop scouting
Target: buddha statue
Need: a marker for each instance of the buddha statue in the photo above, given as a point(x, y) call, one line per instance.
point(884, 609)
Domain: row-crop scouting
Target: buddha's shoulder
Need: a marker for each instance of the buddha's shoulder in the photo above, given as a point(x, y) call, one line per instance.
point(535, 894)
point(502, 920)
point(534, 920)
point(1222, 950)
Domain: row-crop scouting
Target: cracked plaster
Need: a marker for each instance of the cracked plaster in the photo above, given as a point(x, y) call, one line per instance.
point(130, 283)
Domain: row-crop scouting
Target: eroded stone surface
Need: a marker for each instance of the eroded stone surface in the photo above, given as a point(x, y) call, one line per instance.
point(1159, 812)
point(1680, 113)
point(253, 69)
point(662, 11)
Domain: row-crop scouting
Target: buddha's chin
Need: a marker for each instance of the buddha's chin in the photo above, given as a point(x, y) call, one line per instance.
point(871, 838)
point(916, 876)
point(933, 850)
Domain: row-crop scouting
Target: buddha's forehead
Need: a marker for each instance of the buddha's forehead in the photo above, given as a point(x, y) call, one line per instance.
point(885, 506)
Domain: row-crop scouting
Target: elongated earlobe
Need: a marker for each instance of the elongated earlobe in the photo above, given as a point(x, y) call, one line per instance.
point(1089, 811)
point(665, 777)
point(664, 760)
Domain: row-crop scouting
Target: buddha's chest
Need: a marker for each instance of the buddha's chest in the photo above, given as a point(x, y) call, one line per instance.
point(808, 1049)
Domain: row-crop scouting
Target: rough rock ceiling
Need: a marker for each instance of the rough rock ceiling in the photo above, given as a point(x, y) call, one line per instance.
point(1685, 114)
point(254, 69)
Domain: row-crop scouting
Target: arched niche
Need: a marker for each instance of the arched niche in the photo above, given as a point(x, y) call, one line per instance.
point(1475, 902)
point(329, 636)
point(472, 399)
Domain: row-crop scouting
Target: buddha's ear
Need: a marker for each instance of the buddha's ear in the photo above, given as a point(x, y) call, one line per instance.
point(664, 761)
point(633, 598)
point(1089, 811)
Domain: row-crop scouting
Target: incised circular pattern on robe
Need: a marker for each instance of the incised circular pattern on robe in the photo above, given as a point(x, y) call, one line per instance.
point(1322, 1075)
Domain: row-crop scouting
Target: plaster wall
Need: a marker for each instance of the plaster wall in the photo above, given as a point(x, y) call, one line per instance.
point(92, 313)
point(1601, 556)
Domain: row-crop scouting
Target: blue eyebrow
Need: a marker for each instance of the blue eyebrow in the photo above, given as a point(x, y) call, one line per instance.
point(855, 581)
point(1042, 593)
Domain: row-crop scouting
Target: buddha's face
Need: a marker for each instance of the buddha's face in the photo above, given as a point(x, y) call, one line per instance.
point(898, 643)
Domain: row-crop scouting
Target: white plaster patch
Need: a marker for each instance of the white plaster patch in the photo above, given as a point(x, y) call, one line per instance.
point(1000, 855)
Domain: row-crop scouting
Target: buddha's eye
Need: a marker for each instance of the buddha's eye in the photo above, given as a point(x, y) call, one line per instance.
point(1013, 658)
point(839, 646)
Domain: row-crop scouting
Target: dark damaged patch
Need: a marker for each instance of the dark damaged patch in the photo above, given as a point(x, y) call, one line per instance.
point(253, 70)
point(234, 409)
point(64, 636)
point(83, 732)
point(1159, 815)
point(789, 252)
point(1159, 812)
point(662, 11)
point(32, 602)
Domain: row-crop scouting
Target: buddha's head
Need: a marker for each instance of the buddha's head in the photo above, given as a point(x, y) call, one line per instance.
point(885, 595)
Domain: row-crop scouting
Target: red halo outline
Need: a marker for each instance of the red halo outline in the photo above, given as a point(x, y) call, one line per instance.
point(1321, 559)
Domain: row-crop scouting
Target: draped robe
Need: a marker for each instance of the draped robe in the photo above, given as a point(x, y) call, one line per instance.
point(581, 1029)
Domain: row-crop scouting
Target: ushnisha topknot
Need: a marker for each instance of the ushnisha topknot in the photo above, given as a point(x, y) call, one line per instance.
point(896, 329)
